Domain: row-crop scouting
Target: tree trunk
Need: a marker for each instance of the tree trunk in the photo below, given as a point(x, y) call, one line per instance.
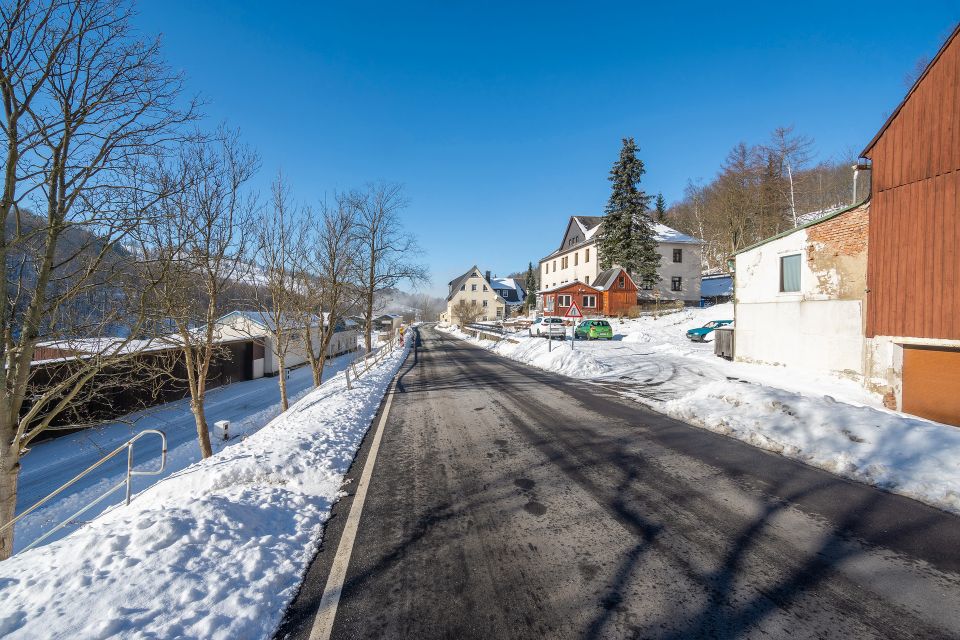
point(284, 401)
point(9, 473)
point(203, 432)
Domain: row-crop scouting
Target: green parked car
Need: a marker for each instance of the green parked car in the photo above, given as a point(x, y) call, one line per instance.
point(594, 329)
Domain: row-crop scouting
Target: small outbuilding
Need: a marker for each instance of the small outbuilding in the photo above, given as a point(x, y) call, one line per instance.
point(613, 293)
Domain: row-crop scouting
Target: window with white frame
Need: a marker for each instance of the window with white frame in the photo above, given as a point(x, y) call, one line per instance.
point(563, 301)
point(676, 283)
point(790, 273)
point(484, 304)
point(473, 287)
point(589, 302)
point(548, 303)
point(484, 287)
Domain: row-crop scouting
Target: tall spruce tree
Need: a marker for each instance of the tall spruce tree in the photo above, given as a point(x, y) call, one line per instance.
point(530, 284)
point(625, 237)
point(661, 208)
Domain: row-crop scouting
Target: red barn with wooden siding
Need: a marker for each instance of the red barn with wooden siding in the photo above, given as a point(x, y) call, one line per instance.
point(612, 294)
point(913, 263)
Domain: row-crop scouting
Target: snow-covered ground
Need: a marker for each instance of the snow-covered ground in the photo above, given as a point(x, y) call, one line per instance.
point(247, 405)
point(827, 422)
point(215, 550)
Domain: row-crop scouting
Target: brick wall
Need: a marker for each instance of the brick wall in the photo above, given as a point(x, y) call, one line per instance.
point(844, 235)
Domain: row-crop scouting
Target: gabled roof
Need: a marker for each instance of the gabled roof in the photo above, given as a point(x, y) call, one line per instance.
point(456, 283)
point(515, 293)
point(605, 279)
point(459, 280)
point(266, 321)
point(566, 285)
point(896, 112)
point(590, 225)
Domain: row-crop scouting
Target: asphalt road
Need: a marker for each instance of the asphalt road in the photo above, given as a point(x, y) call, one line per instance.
point(507, 502)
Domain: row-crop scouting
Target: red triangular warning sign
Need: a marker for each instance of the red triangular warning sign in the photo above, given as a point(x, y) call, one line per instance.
point(573, 311)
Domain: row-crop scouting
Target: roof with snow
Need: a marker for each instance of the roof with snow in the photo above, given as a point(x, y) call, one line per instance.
point(509, 289)
point(590, 225)
point(267, 321)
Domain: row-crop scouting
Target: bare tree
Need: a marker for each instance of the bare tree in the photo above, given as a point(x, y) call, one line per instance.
point(84, 104)
point(389, 253)
point(278, 235)
point(329, 284)
point(793, 152)
point(466, 313)
point(203, 232)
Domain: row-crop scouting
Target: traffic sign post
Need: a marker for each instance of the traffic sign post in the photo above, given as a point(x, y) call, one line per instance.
point(573, 313)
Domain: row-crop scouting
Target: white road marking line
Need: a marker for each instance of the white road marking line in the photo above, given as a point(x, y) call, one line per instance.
point(323, 623)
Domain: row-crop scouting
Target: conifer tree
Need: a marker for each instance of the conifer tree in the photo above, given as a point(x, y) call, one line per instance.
point(661, 209)
point(625, 237)
point(530, 284)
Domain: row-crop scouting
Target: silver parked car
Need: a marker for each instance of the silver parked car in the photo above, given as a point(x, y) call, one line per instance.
point(548, 327)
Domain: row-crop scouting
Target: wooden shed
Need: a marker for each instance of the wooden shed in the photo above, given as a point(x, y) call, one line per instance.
point(613, 293)
point(913, 264)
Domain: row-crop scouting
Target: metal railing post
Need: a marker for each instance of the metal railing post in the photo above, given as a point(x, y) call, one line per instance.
point(129, 468)
point(128, 445)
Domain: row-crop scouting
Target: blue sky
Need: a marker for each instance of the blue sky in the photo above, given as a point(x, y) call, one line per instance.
point(502, 119)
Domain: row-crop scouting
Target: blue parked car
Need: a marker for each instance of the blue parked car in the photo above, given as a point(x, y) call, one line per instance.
point(700, 333)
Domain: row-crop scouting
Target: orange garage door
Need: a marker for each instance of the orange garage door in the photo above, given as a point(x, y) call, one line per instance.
point(931, 383)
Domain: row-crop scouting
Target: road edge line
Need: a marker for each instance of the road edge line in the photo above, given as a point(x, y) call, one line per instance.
point(327, 612)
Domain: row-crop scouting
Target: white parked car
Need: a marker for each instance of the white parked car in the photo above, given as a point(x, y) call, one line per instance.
point(548, 327)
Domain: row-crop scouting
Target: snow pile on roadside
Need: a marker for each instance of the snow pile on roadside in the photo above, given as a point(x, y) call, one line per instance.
point(827, 422)
point(216, 550)
point(910, 456)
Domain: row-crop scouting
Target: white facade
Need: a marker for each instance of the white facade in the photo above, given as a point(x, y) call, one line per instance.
point(577, 259)
point(246, 325)
point(818, 327)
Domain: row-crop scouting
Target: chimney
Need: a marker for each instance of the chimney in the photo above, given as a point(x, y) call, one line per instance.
point(488, 275)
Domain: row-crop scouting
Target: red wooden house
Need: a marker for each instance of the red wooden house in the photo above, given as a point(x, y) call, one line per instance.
point(613, 293)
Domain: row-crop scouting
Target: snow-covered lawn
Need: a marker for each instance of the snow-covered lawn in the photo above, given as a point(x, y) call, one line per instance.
point(247, 405)
point(827, 422)
point(215, 550)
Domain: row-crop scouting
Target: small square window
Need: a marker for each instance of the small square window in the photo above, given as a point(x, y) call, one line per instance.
point(484, 304)
point(590, 302)
point(676, 283)
point(473, 287)
point(678, 255)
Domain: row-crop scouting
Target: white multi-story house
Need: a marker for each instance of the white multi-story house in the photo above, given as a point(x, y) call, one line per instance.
point(577, 259)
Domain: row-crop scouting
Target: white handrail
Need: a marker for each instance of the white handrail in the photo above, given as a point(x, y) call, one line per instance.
point(128, 445)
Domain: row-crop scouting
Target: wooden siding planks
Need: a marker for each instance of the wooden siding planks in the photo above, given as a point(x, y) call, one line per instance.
point(914, 261)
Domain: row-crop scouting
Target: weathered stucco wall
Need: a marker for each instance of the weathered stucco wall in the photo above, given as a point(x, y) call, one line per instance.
point(819, 327)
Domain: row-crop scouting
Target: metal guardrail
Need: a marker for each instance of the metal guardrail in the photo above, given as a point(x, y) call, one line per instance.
point(486, 328)
point(128, 445)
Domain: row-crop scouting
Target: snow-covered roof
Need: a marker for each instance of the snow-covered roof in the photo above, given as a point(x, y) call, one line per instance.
point(591, 224)
point(663, 233)
point(515, 293)
point(267, 321)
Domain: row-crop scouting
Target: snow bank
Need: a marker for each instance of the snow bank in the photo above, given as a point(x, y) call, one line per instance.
point(216, 550)
point(827, 422)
